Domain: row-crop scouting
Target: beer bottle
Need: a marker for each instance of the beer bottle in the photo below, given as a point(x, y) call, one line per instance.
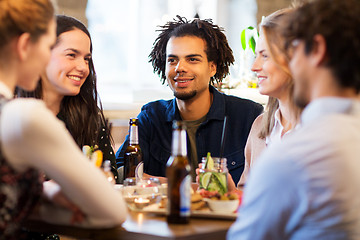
point(133, 154)
point(179, 178)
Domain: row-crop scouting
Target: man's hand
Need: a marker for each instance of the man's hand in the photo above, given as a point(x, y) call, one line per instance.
point(161, 179)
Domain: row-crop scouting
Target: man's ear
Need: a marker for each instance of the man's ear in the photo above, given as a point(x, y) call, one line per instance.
point(23, 45)
point(213, 68)
point(319, 50)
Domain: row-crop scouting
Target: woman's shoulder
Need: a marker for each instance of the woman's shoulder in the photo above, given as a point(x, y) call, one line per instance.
point(257, 124)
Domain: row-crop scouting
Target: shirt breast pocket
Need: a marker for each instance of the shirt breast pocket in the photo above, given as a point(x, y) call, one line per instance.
point(235, 159)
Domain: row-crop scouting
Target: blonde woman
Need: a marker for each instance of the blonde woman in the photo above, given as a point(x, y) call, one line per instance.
point(281, 115)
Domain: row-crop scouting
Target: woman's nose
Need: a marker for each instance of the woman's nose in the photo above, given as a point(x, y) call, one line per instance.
point(82, 65)
point(256, 65)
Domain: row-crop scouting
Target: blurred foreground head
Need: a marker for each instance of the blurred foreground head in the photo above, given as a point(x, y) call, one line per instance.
point(24, 16)
point(338, 22)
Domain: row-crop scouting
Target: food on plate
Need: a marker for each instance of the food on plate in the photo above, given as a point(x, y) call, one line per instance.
point(215, 195)
point(228, 202)
point(163, 202)
point(195, 197)
point(197, 202)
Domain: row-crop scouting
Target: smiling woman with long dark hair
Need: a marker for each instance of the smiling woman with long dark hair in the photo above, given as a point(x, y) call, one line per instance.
point(68, 88)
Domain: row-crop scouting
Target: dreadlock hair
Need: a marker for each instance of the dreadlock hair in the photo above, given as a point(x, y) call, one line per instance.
point(217, 47)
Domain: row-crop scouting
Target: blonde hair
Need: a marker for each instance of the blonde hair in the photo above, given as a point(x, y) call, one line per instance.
point(24, 16)
point(270, 28)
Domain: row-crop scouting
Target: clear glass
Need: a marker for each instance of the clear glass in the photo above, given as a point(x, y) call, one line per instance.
point(216, 179)
point(107, 171)
point(142, 193)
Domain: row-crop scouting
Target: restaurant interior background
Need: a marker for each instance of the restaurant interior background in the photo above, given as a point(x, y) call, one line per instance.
point(123, 32)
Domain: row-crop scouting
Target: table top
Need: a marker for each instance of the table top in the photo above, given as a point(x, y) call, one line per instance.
point(144, 226)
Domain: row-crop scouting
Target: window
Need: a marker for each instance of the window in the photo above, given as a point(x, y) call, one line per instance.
point(123, 32)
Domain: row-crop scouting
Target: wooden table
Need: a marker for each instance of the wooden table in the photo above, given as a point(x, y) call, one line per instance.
point(144, 226)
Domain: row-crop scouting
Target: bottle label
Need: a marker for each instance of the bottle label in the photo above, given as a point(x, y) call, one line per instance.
point(185, 196)
point(179, 143)
point(134, 135)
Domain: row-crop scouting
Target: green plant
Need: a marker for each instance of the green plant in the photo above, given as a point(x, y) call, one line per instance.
point(249, 37)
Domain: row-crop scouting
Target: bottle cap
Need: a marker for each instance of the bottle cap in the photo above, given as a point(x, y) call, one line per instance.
point(133, 121)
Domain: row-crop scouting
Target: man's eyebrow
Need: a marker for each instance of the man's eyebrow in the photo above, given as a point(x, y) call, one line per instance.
point(190, 55)
point(172, 56)
point(194, 55)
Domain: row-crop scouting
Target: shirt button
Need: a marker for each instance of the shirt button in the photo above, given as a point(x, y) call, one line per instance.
point(233, 163)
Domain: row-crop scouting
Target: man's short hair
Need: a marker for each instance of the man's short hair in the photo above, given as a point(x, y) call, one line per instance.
point(338, 21)
point(217, 47)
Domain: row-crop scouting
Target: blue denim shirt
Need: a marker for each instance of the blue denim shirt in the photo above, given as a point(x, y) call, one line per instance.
point(155, 132)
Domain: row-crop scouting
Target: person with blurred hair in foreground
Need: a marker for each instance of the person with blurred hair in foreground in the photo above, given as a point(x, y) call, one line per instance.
point(312, 190)
point(34, 142)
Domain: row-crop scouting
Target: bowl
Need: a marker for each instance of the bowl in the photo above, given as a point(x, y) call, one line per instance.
point(227, 206)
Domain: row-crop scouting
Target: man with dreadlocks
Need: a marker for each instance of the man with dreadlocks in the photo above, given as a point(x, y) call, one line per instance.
point(191, 56)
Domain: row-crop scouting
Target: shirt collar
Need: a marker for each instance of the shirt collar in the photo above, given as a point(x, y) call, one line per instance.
point(216, 111)
point(5, 91)
point(326, 106)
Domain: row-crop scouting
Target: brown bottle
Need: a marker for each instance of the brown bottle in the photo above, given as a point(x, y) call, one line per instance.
point(133, 154)
point(179, 179)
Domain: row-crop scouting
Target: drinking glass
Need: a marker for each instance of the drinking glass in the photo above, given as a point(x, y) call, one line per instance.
point(142, 193)
point(214, 179)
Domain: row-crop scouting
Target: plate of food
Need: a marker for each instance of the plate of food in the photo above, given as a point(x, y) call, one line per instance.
point(202, 207)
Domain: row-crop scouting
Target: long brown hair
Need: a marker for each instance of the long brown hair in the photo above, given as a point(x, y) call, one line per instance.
point(270, 27)
point(81, 113)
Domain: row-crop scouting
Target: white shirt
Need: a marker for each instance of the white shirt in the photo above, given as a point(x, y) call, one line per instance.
point(307, 186)
point(32, 137)
point(276, 132)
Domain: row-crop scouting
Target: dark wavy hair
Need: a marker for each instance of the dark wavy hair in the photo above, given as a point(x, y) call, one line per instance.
point(81, 113)
point(338, 21)
point(217, 47)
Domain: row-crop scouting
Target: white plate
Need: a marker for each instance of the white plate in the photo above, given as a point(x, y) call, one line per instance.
point(154, 208)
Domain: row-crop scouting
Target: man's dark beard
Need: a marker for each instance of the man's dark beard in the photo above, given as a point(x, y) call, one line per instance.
point(185, 96)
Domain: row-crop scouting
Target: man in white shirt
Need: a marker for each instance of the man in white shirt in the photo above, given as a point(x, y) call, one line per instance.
point(312, 190)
